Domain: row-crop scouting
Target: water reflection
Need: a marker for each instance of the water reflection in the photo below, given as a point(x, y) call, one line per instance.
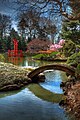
point(15, 60)
point(26, 106)
point(26, 61)
point(53, 81)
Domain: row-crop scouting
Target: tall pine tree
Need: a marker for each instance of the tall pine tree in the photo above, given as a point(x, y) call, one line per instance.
point(71, 30)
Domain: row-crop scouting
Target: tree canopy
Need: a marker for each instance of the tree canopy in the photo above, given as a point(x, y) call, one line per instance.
point(52, 7)
point(5, 24)
point(31, 23)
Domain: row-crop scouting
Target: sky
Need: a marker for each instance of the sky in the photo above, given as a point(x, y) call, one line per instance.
point(8, 7)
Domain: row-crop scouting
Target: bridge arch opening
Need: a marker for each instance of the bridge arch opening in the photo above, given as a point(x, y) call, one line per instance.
point(62, 67)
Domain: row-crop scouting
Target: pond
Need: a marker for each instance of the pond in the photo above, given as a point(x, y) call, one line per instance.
point(25, 104)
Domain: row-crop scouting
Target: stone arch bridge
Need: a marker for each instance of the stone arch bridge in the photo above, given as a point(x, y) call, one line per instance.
point(63, 67)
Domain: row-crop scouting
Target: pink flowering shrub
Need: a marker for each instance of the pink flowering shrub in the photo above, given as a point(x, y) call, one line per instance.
point(56, 47)
point(61, 42)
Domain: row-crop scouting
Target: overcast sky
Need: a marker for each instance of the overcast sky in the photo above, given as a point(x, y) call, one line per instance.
point(8, 7)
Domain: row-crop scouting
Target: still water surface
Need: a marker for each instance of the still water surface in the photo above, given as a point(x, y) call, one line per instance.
point(24, 105)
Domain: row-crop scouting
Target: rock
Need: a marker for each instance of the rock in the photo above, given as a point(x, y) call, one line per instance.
point(62, 103)
point(12, 77)
point(41, 77)
point(62, 84)
point(10, 87)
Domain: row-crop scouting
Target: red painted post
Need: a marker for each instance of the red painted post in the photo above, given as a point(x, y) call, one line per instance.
point(9, 53)
point(15, 47)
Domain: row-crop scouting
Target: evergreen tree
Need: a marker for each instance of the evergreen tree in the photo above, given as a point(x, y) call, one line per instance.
point(8, 43)
point(71, 30)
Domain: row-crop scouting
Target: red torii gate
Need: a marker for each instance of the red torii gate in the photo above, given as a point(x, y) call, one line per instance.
point(15, 52)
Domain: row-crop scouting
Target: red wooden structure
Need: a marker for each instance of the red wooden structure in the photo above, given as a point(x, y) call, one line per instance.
point(15, 52)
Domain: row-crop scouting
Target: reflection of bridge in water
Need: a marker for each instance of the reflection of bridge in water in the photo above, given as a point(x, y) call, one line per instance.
point(63, 67)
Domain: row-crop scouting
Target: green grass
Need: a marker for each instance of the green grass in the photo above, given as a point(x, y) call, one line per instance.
point(38, 56)
point(54, 54)
point(45, 94)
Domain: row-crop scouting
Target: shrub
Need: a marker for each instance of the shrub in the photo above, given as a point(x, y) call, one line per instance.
point(77, 72)
point(2, 58)
point(68, 48)
point(74, 59)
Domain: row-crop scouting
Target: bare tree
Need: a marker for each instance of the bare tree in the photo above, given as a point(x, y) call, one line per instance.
point(37, 25)
point(46, 28)
point(30, 22)
point(5, 24)
point(75, 5)
point(51, 7)
point(22, 26)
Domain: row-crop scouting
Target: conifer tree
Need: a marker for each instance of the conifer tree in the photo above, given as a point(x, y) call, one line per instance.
point(71, 30)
